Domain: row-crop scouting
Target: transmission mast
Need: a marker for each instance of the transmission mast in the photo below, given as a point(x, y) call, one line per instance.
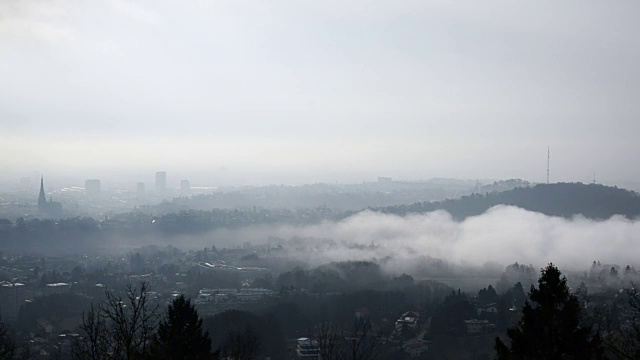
point(548, 158)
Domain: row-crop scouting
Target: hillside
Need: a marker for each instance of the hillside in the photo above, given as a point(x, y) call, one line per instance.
point(561, 199)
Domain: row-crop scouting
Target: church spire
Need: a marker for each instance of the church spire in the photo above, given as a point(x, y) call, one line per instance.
point(42, 199)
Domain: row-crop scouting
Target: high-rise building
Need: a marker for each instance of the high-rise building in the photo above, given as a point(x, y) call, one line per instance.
point(140, 187)
point(92, 187)
point(12, 296)
point(161, 181)
point(185, 185)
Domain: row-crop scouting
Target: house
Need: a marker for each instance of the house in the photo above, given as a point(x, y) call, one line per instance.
point(45, 329)
point(307, 349)
point(5, 224)
point(487, 309)
point(475, 326)
point(56, 288)
point(362, 313)
point(415, 348)
point(410, 318)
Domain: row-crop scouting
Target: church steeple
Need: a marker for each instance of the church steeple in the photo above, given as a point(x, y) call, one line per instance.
point(42, 198)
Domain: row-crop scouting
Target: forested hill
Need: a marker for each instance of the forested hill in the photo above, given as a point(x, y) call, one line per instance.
point(561, 199)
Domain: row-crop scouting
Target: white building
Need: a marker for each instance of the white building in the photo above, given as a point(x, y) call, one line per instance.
point(308, 349)
point(487, 309)
point(12, 296)
point(410, 318)
point(56, 288)
point(232, 295)
point(475, 326)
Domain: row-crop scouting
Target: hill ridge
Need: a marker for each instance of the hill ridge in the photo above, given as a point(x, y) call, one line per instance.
point(593, 201)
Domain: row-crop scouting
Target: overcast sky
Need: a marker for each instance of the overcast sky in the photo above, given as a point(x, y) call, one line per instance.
point(306, 91)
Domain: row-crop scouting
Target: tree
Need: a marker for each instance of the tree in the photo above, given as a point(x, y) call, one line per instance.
point(362, 344)
point(551, 329)
point(94, 344)
point(328, 335)
point(623, 338)
point(448, 319)
point(7, 346)
point(180, 335)
point(487, 295)
point(118, 328)
point(613, 272)
point(241, 345)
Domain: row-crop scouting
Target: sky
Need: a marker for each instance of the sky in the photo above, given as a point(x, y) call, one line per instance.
point(257, 92)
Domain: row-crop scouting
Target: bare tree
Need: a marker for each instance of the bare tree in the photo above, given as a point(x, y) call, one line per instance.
point(623, 337)
point(119, 328)
point(241, 345)
point(7, 346)
point(329, 340)
point(361, 344)
point(95, 343)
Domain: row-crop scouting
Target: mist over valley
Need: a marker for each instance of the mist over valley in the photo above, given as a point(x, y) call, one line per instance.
point(327, 180)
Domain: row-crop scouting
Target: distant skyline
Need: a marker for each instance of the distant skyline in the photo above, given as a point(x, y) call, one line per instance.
point(297, 92)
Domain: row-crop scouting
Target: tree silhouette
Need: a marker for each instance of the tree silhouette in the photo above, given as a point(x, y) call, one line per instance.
point(119, 328)
point(180, 335)
point(623, 337)
point(7, 346)
point(552, 328)
point(241, 345)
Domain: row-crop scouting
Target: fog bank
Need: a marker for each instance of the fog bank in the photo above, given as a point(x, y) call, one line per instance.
point(501, 236)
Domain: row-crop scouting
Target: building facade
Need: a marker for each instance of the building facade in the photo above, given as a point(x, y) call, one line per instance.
point(12, 297)
point(161, 181)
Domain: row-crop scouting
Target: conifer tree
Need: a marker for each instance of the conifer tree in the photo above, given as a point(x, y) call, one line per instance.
point(551, 329)
point(180, 335)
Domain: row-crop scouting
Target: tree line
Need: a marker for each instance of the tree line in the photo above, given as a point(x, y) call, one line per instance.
point(561, 199)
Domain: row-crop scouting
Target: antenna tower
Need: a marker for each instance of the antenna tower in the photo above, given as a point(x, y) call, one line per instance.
point(548, 158)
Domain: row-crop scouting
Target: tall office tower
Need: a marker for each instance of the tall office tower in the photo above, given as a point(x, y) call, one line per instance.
point(161, 181)
point(92, 187)
point(12, 296)
point(140, 187)
point(185, 185)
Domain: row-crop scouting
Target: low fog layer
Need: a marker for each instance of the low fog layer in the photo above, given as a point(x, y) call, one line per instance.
point(499, 237)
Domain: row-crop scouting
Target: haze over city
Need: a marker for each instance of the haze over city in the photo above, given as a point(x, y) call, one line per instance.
point(259, 93)
point(319, 180)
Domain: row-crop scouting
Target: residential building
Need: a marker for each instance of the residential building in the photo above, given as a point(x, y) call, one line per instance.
point(475, 326)
point(56, 288)
point(308, 349)
point(415, 348)
point(92, 187)
point(12, 297)
point(487, 309)
point(5, 224)
point(410, 319)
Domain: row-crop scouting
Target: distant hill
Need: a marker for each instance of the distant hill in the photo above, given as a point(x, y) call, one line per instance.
point(561, 199)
